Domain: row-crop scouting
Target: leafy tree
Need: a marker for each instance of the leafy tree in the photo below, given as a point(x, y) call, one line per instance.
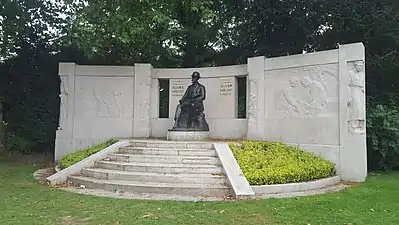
point(375, 23)
point(28, 73)
point(164, 33)
point(28, 23)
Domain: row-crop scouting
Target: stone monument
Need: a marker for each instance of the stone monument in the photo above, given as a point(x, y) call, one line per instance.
point(190, 122)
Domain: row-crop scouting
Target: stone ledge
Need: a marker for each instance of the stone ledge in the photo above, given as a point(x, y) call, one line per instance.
point(61, 176)
point(295, 187)
point(235, 176)
point(335, 188)
point(187, 135)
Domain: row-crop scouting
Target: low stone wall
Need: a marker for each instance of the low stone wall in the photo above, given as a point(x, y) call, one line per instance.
point(295, 187)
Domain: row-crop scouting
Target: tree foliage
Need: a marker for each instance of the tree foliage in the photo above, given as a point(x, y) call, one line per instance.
point(376, 24)
point(26, 23)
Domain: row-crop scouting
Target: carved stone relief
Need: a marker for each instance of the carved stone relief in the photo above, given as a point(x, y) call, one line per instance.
point(306, 93)
point(109, 105)
point(63, 102)
point(356, 102)
point(252, 101)
point(103, 97)
point(145, 105)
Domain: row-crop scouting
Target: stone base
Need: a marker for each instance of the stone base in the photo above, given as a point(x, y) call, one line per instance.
point(187, 135)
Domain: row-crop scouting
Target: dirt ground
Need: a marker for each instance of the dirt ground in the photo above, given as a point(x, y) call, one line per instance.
point(39, 159)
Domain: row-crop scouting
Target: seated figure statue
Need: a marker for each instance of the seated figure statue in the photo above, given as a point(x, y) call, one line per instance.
point(189, 114)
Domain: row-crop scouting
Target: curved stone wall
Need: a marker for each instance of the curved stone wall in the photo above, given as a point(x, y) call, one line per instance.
point(315, 100)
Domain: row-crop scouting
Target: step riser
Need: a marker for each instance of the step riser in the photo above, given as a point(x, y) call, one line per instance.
point(164, 159)
point(154, 178)
point(211, 153)
point(158, 190)
point(172, 145)
point(158, 169)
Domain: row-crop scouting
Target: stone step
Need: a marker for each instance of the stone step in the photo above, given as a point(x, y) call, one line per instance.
point(160, 151)
point(151, 187)
point(171, 144)
point(105, 174)
point(159, 167)
point(163, 159)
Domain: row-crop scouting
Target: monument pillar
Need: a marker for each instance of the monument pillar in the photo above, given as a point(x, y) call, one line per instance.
point(256, 98)
point(352, 112)
point(64, 133)
point(142, 100)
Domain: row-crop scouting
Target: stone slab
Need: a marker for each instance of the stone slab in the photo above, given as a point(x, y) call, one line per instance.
point(154, 177)
point(188, 135)
point(151, 187)
point(235, 176)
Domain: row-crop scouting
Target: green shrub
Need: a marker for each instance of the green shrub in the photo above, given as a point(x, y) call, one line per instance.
point(72, 158)
point(266, 163)
point(383, 138)
point(15, 143)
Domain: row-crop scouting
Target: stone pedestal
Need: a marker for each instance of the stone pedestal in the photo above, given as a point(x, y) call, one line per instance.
point(187, 135)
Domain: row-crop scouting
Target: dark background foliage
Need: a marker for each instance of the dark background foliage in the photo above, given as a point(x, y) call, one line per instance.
point(34, 38)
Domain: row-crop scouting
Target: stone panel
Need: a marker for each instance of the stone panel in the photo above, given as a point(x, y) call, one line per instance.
point(103, 97)
point(142, 100)
point(304, 130)
point(302, 105)
point(256, 98)
point(103, 107)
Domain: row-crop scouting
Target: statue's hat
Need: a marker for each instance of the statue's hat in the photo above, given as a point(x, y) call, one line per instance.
point(196, 74)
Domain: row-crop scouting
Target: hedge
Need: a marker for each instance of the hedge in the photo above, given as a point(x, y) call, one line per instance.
point(265, 163)
point(72, 158)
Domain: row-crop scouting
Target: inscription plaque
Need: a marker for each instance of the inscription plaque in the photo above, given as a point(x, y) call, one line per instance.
point(226, 88)
point(177, 88)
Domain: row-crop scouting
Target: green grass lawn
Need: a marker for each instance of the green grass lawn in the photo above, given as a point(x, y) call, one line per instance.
point(24, 201)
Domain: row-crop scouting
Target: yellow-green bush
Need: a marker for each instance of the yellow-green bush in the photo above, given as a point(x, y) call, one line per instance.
point(276, 163)
point(72, 158)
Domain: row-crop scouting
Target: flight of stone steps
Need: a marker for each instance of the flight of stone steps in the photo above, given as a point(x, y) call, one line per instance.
point(159, 167)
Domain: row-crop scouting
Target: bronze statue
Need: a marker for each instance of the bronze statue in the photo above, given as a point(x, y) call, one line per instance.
point(189, 114)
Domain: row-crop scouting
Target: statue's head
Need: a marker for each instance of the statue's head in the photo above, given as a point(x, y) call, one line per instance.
point(195, 77)
point(359, 66)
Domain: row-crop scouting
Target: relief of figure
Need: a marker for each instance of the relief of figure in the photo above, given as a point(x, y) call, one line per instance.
point(305, 97)
point(252, 101)
point(356, 101)
point(189, 114)
point(64, 103)
point(317, 99)
point(291, 95)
